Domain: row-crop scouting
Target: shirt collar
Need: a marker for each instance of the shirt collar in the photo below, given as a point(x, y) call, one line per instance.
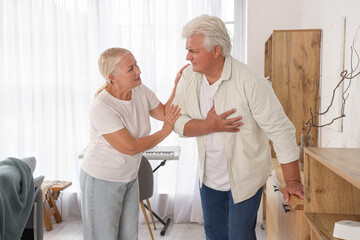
point(226, 73)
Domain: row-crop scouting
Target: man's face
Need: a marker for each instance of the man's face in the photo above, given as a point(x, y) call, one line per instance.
point(201, 60)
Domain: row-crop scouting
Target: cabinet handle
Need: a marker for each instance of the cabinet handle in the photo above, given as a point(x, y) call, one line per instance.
point(284, 207)
point(275, 188)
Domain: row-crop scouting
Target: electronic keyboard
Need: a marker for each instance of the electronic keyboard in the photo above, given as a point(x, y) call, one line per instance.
point(156, 153)
point(163, 153)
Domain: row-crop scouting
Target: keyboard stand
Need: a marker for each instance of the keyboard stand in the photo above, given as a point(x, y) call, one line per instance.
point(175, 157)
point(161, 164)
point(166, 224)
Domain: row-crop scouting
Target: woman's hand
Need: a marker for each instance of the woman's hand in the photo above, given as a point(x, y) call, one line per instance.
point(179, 74)
point(170, 118)
point(171, 98)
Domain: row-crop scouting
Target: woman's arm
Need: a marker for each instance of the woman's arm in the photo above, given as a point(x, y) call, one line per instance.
point(125, 143)
point(159, 112)
point(171, 98)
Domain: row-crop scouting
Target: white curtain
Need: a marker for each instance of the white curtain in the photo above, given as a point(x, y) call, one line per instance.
point(48, 75)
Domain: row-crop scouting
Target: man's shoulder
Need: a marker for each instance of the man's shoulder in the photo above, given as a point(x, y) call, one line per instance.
point(244, 74)
point(189, 74)
point(189, 79)
point(242, 67)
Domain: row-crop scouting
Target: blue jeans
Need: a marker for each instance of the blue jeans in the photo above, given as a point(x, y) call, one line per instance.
point(224, 220)
point(110, 210)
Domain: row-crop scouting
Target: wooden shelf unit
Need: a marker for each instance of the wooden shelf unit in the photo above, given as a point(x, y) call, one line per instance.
point(292, 64)
point(332, 188)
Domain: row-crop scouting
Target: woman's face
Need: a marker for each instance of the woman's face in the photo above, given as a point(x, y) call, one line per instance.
point(127, 72)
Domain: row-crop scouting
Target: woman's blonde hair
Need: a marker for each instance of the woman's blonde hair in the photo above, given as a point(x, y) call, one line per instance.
point(107, 63)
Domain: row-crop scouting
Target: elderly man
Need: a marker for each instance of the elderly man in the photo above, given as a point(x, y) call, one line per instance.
point(234, 151)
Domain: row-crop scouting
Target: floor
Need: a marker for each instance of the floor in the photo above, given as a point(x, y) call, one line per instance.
point(72, 230)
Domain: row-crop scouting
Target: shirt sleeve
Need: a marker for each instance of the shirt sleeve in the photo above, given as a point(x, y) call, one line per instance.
point(270, 116)
point(104, 120)
point(180, 100)
point(151, 98)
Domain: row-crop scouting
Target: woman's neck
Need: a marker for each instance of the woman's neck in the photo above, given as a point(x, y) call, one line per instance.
point(119, 93)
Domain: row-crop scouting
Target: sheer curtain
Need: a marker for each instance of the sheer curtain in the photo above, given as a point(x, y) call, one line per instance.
point(48, 75)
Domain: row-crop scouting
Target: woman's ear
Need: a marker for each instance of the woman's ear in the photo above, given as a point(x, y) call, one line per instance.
point(111, 77)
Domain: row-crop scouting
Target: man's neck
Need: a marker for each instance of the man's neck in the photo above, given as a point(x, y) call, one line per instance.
point(216, 71)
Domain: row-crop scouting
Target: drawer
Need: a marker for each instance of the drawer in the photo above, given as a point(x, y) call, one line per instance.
point(292, 223)
point(271, 227)
point(283, 222)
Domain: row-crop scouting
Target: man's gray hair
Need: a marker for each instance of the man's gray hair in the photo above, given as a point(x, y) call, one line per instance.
point(214, 31)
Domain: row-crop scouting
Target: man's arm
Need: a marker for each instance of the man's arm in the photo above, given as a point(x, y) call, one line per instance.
point(293, 180)
point(213, 123)
point(270, 116)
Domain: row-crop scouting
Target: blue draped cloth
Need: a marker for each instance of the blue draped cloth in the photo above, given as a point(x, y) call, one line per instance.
point(16, 197)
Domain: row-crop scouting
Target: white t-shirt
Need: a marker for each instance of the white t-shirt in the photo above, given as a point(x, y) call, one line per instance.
point(107, 115)
point(216, 174)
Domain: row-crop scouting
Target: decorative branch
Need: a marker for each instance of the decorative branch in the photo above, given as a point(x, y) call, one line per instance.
point(345, 75)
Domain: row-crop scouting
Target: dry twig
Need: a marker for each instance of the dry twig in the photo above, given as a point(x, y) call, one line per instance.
point(345, 75)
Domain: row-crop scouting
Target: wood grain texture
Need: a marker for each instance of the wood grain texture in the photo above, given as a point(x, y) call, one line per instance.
point(272, 215)
point(281, 224)
point(293, 224)
point(332, 188)
point(328, 188)
point(345, 162)
point(323, 224)
point(268, 57)
point(295, 73)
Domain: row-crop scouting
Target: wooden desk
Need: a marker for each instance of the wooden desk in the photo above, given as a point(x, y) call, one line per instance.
point(52, 193)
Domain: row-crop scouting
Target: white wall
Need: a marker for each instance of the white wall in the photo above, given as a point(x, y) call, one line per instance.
point(264, 16)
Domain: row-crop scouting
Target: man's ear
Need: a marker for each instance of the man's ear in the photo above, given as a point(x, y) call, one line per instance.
point(217, 50)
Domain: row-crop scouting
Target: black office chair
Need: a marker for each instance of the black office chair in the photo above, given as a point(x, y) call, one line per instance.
point(146, 189)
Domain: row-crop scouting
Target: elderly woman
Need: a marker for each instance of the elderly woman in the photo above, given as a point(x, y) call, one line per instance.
point(119, 133)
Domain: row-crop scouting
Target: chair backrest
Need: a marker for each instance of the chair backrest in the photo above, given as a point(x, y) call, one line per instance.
point(31, 162)
point(37, 184)
point(146, 179)
point(35, 224)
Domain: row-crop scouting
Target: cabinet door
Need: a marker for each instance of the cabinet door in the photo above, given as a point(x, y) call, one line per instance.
point(292, 223)
point(271, 228)
point(295, 73)
point(281, 225)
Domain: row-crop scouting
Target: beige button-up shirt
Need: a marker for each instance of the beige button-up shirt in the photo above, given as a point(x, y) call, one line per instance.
point(247, 152)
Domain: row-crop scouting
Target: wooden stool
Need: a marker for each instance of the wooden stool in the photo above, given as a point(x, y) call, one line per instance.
point(51, 195)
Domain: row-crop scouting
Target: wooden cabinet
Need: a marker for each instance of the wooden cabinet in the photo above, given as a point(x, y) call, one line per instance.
point(292, 64)
point(332, 188)
point(283, 221)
